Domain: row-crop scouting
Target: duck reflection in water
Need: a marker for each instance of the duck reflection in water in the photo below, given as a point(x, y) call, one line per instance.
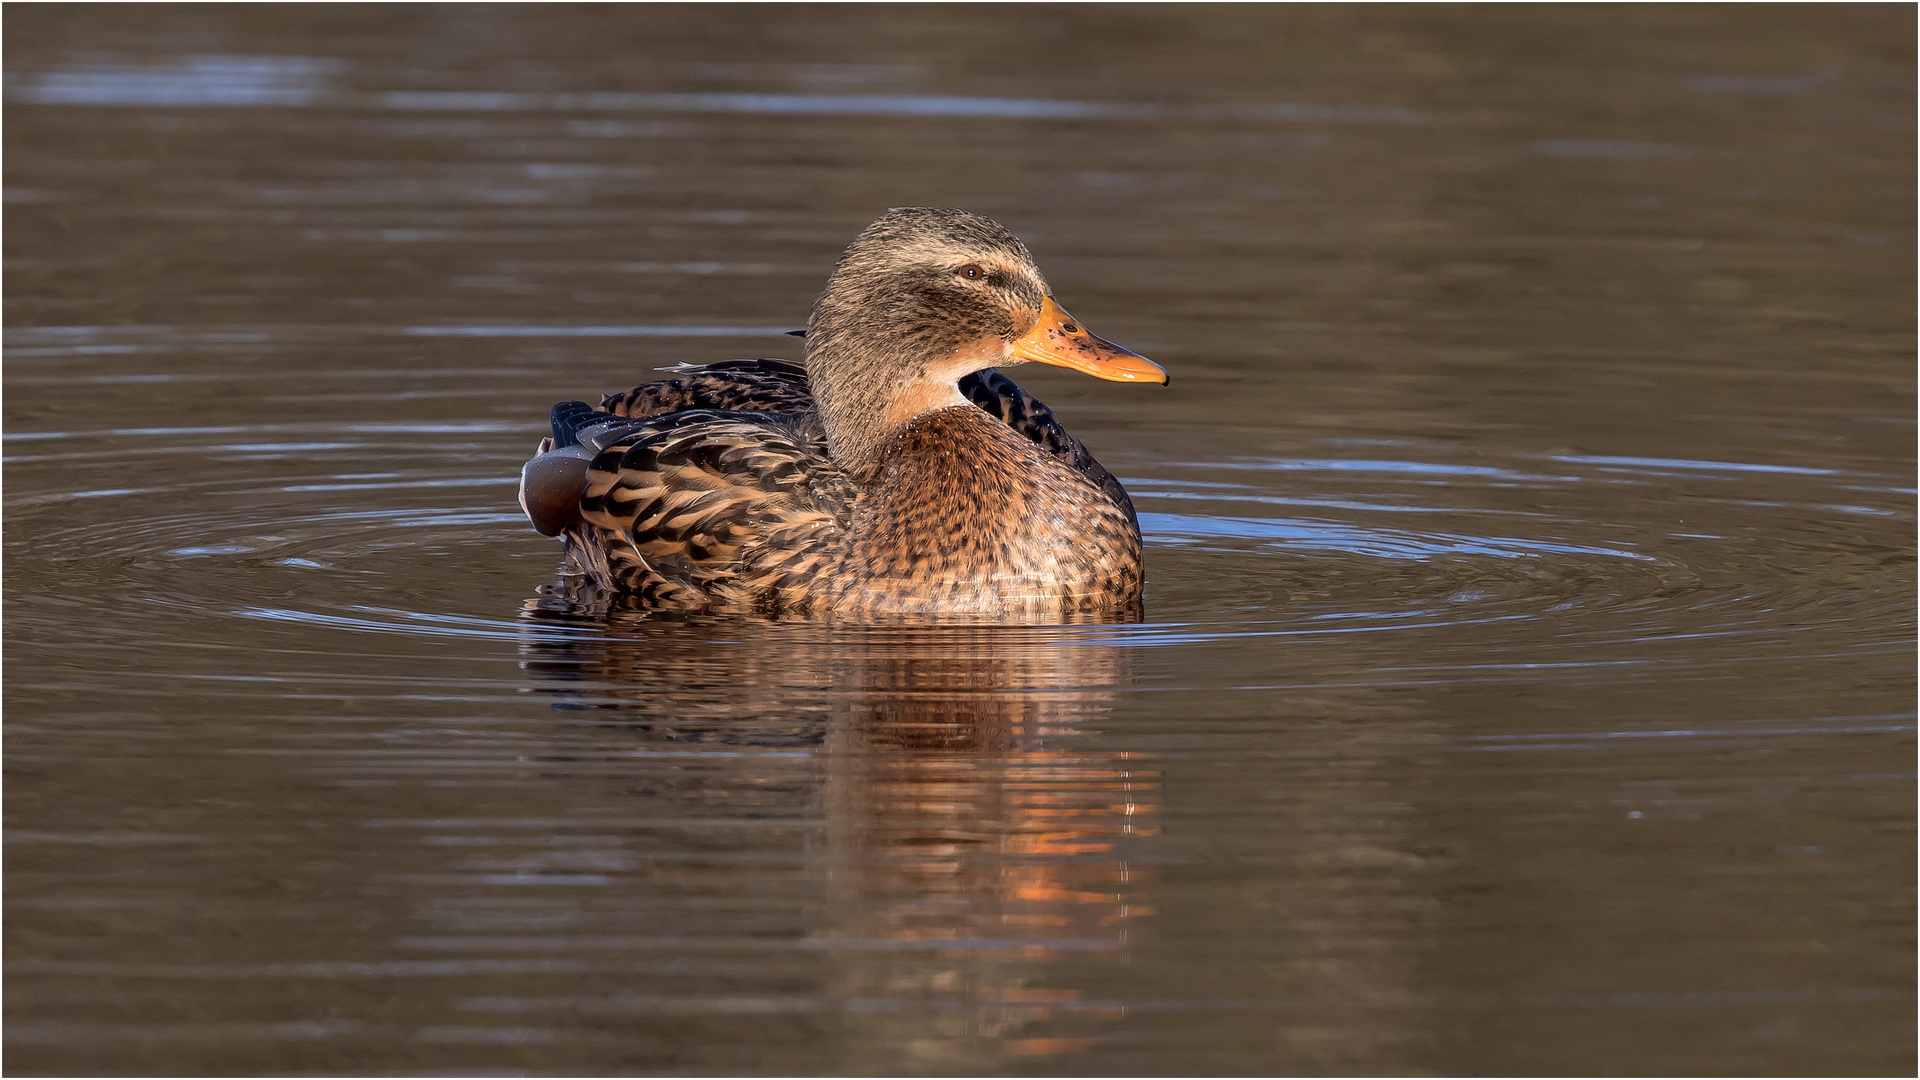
point(969, 856)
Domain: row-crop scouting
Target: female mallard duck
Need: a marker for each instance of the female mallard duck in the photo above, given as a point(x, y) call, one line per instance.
point(897, 473)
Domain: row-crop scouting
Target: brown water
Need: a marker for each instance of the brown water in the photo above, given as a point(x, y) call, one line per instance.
point(1527, 678)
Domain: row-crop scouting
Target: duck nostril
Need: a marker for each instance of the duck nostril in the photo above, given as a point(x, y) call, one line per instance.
point(1069, 328)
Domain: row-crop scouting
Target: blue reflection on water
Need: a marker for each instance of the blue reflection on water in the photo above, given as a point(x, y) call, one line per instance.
point(194, 81)
point(1298, 535)
point(293, 81)
point(1682, 463)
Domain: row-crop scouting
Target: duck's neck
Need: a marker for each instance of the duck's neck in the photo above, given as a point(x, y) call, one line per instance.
point(866, 393)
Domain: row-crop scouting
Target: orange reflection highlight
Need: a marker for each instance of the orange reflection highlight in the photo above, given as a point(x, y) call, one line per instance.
point(1042, 1047)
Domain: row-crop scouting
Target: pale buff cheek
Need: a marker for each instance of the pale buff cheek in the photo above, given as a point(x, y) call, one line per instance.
point(989, 351)
point(921, 400)
point(939, 388)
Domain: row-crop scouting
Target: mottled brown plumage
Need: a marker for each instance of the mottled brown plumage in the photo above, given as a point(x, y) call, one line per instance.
point(896, 475)
point(750, 385)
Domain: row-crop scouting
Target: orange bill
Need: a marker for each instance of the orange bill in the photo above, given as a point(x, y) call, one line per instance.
point(1060, 340)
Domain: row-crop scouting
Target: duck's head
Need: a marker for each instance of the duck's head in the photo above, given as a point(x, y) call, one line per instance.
point(923, 298)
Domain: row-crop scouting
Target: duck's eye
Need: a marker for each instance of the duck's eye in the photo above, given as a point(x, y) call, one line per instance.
point(971, 271)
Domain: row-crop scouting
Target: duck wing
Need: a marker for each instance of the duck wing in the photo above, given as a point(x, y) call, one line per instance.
point(705, 508)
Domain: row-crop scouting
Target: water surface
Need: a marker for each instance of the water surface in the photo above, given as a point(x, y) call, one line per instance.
point(1526, 682)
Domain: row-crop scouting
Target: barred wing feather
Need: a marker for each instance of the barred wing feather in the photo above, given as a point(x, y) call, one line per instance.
point(702, 508)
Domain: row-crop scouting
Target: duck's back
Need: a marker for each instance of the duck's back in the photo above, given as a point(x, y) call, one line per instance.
point(763, 385)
